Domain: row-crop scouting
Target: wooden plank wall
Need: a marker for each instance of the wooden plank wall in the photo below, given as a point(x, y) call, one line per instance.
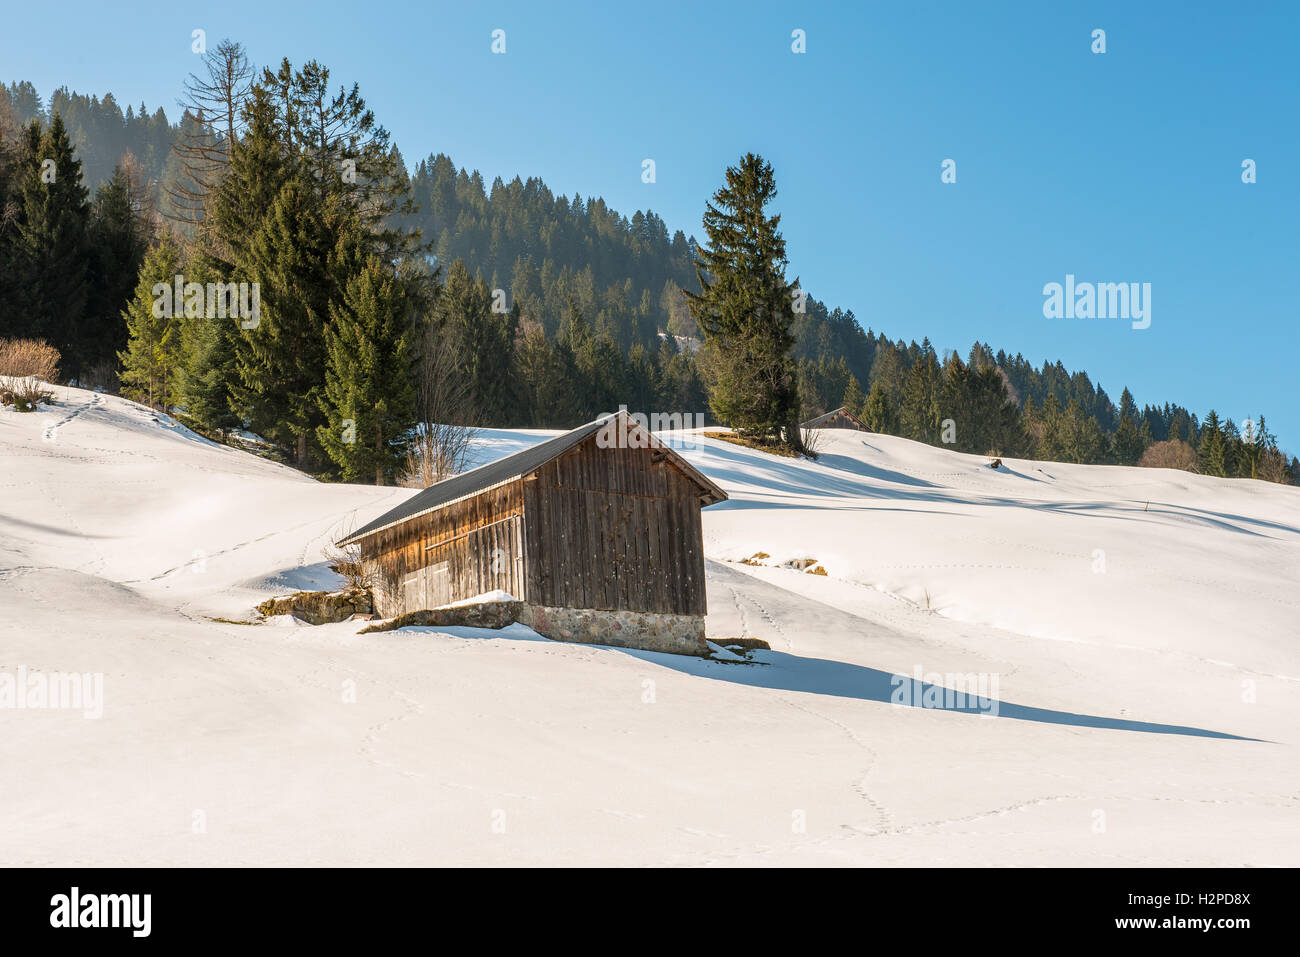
point(465, 535)
point(614, 529)
point(841, 421)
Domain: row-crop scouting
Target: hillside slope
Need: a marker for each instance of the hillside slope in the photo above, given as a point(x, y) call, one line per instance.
point(1140, 627)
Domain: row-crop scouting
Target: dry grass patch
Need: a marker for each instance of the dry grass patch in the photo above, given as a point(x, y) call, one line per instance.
point(25, 364)
point(768, 446)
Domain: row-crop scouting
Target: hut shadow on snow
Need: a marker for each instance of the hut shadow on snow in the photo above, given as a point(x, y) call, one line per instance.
point(779, 671)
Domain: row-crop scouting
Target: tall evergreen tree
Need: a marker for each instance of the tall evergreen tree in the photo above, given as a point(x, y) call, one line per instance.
point(118, 241)
point(1210, 451)
point(879, 413)
point(50, 247)
point(745, 308)
point(853, 397)
point(152, 359)
point(281, 359)
point(544, 381)
point(369, 394)
point(465, 311)
point(920, 416)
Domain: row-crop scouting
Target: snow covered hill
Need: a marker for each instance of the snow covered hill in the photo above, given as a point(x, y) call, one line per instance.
point(1137, 630)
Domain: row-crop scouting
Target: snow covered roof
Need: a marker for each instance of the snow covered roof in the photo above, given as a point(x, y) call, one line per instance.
point(511, 467)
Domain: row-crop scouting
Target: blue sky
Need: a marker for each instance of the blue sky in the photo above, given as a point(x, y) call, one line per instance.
point(1115, 167)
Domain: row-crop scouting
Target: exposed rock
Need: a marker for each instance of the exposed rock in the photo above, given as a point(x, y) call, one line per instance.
point(319, 607)
point(488, 614)
point(745, 644)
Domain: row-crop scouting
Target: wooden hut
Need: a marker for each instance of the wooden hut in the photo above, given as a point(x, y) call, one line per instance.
point(596, 531)
point(840, 418)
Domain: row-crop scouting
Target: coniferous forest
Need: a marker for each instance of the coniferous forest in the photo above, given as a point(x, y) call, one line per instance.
point(389, 296)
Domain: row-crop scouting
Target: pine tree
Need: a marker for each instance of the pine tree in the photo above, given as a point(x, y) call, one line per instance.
point(259, 168)
point(543, 374)
point(1232, 451)
point(993, 423)
point(1127, 407)
point(50, 247)
point(1050, 442)
point(1128, 445)
point(1080, 435)
point(919, 416)
point(369, 393)
point(956, 401)
point(152, 359)
point(464, 311)
point(889, 369)
point(879, 413)
point(208, 343)
point(281, 358)
point(853, 397)
point(118, 241)
point(745, 308)
point(1210, 451)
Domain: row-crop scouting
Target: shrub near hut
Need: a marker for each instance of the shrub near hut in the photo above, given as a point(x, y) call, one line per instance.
point(25, 366)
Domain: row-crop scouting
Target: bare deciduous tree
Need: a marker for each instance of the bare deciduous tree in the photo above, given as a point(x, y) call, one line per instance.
point(345, 560)
point(1173, 454)
point(211, 122)
point(445, 408)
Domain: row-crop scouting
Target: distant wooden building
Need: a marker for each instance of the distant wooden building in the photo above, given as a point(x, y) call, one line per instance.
point(840, 418)
point(597, 531)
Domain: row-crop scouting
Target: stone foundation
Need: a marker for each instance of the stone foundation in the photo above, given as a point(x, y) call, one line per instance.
point(485, 614)
point(648, 631)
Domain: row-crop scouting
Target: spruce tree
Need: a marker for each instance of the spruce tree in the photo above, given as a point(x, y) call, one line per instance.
point(208, 347)
point(259, 167)
point(853, 397)
point(745, 308)
point(50, 247)
point(1050, 441)
point(1128, 444)
point(920, 415)
point(544, 381)
point(369, 394)
point(292, 256)
point(878, 412)
point(464, 311)
point(1210, 451)
point(118, 241)
point(152, 358)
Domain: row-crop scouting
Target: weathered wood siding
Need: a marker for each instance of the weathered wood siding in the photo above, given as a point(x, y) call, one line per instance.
point(459, 551)
point(610, 528)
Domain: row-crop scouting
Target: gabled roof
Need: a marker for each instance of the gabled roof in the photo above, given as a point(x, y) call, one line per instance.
point(529, 460)
point(823, 419)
